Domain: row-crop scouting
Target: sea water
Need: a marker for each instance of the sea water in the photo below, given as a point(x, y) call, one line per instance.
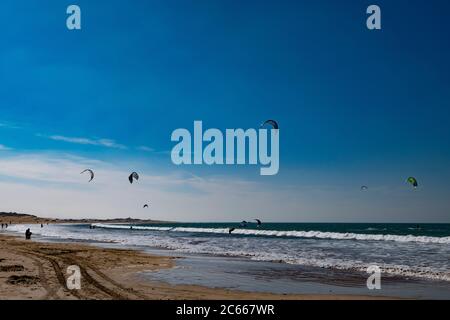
point(402, 250)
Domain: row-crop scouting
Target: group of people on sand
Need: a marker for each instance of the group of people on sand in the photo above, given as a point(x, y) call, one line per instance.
point(5, 225)
point(28, 232)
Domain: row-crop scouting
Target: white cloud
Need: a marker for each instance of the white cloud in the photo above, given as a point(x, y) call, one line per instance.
point(51, 185)
point(109, 143)
point(145, 148)
point(9, 125)
point(4, 148)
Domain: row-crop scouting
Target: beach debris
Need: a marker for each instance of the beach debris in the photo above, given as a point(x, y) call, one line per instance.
point(90, 172)
point(273, 123)
point(364, 188)
point(133, 176)
point(25, 280)
point(12, 268)
point(145, 206)
point(230, 230)
point(258, 222)
point(413, 182)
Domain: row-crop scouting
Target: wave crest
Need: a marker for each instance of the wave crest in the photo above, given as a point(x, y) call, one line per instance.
point(295, 234)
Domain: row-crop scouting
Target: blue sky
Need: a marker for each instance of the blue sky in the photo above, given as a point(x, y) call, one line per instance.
point(354, 106)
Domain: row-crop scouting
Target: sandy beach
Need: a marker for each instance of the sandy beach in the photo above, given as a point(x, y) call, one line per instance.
point(37, 270)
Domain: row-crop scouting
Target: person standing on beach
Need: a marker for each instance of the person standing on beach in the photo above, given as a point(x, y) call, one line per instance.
point(28, 234)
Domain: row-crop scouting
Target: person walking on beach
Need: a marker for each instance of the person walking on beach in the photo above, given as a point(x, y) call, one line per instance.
point(28, 234)
point(2, 225)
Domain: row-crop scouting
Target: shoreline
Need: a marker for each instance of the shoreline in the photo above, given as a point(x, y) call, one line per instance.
point(38, 270)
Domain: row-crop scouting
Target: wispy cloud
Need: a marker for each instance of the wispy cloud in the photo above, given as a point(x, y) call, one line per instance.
point(9, 125)
point(53, 186)
point(4, 148)
point(145, 148)
point(109, 143)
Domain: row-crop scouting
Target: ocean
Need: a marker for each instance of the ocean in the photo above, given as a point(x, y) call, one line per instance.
point(400, 250)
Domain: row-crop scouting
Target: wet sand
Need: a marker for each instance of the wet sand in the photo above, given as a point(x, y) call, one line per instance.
point(38, 270)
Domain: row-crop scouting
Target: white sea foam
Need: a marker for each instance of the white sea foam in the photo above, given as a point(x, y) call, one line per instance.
point(296, 234)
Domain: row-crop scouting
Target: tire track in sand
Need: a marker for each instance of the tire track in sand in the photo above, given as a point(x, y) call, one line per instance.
point(50, 292)
point(105, 289)
point(113, 282)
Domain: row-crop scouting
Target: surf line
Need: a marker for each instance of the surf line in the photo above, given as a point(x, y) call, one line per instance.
point(242, 147)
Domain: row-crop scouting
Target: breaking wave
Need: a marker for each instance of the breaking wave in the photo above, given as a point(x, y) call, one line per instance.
point(295, 234)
